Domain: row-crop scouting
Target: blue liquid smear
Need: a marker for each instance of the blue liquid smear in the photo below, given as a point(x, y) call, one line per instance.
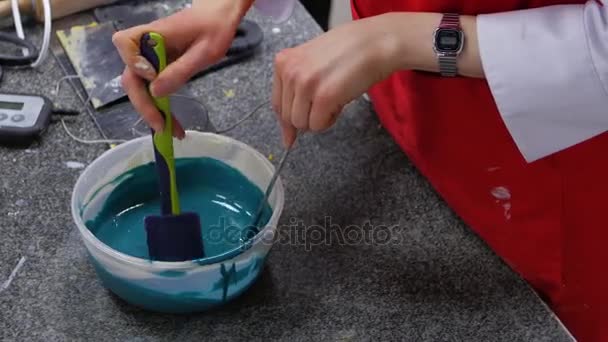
point(222, 196)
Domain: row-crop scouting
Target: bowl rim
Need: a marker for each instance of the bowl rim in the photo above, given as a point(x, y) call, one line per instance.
point(168, 265)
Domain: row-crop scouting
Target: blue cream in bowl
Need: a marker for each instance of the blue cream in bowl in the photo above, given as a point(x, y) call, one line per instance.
point(220, 179)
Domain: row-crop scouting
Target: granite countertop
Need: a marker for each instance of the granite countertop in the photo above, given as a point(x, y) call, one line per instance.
point(423, 276)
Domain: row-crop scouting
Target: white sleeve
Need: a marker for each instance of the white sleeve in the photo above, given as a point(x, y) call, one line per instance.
point(547, 69)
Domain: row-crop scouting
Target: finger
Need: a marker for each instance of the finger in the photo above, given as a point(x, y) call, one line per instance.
point(179, 72)
point(276, 93)
point(141, 100)
point(178, 130)
point(300, 110)
point(334, 117)
point(287, 95)
point(289, 134)
point(320, 117)
point(128, 46)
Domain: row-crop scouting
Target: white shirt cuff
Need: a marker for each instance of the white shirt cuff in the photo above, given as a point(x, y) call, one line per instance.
point(547, 69)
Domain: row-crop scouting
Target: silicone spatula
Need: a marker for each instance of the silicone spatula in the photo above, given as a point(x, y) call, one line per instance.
point(173, 235)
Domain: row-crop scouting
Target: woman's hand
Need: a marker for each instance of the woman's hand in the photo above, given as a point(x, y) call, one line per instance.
point(314, 81)
point(195, 38)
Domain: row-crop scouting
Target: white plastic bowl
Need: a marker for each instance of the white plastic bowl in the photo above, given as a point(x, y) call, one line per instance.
point(177, 287)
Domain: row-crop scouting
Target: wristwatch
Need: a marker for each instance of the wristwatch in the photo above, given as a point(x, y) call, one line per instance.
point(448, 42)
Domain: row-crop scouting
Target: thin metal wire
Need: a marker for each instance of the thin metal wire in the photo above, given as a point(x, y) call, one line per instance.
point(84, 141)
point(133, 128)
point(245, 118)
point(270, 187)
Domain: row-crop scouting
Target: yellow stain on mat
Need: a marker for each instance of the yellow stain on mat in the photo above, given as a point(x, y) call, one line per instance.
point(229, 93)
point(71, 41)
point(66, 37)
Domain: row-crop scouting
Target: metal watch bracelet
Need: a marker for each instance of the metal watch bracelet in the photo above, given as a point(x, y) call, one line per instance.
point(448, 60)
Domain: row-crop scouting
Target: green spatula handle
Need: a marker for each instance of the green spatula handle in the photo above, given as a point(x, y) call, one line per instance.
point(153, 49)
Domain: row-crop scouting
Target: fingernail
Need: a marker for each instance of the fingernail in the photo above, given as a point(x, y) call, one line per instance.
point(286, 142)
point(145, 68)
point(114, 38)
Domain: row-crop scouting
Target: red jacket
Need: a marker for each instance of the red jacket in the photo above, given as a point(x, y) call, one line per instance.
point(546, 219)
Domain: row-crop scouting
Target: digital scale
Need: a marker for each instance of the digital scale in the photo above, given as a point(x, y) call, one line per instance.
point(23, 118)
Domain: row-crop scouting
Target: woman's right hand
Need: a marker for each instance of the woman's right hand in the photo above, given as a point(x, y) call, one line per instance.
point(195, 38)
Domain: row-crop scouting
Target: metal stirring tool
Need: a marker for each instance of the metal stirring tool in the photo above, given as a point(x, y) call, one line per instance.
point(270, 187)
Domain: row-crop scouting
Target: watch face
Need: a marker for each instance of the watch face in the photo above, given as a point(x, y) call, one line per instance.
point(448, 40)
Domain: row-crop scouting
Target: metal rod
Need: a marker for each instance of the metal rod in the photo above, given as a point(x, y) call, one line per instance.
point(271, 186)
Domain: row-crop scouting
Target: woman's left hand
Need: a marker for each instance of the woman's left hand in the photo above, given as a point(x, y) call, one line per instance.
point(314, 81)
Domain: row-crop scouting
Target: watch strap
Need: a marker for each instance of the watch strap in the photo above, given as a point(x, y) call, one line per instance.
point(448, 65)
point(448, 62)
point(450, 21)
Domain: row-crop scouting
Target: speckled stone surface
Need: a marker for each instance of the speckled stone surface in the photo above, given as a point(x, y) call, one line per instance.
point(422, 276)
